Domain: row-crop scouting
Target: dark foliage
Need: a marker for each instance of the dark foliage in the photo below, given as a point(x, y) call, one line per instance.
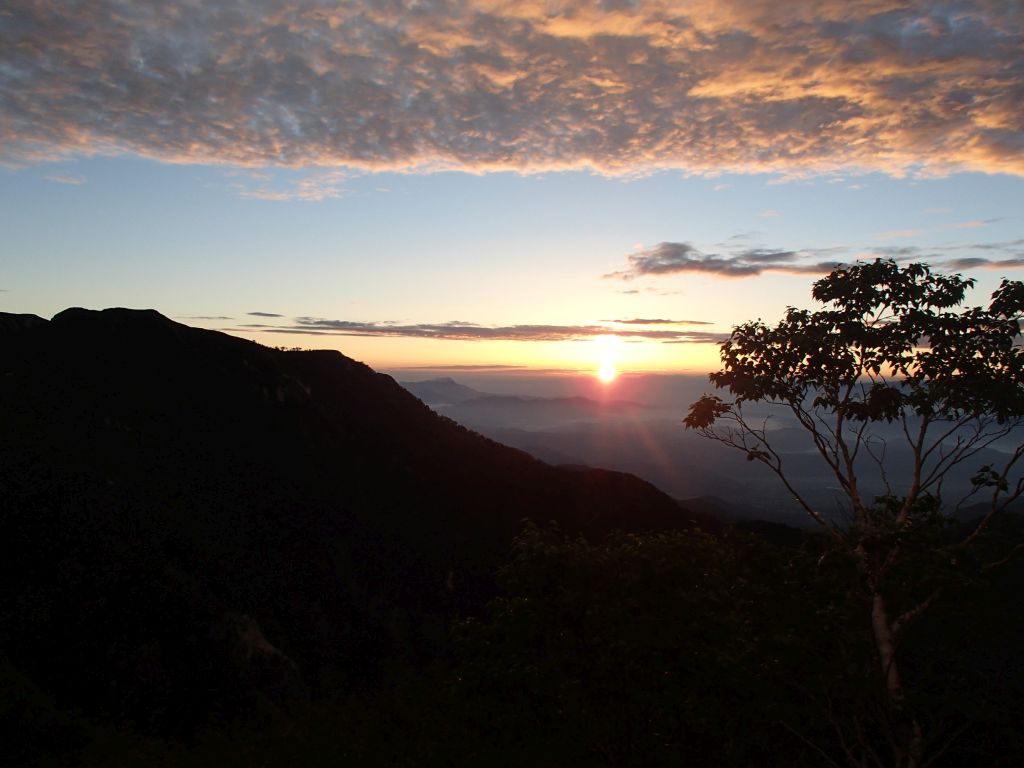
point(214, 553)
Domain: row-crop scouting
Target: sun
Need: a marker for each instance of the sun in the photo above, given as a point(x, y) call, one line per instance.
point(607, 372)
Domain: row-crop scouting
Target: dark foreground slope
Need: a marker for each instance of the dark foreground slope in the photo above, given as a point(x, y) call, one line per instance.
point(193, 522)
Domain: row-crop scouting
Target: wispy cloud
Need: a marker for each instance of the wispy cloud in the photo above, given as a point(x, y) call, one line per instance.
point(66, 179)
point(468, 367)
point(1006, 254)
point(975, 224)
point(679, 258)
point(466, 331)
point(656, 321)
point(1014, 247)
point(310, 187)
point(977, 262)
point(204, 317)
point(739, 260)
point(263, 314)
point(621, 87)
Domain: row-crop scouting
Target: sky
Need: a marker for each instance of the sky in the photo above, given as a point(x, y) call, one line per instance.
point(486, 185)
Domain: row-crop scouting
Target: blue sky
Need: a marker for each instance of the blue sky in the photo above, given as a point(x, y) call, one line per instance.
point(493, 183)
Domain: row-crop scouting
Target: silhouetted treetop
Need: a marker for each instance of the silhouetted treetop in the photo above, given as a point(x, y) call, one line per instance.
point(892, 348)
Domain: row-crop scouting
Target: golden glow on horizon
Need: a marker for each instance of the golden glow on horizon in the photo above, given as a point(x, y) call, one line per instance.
point(610, 349)
point(584, 357)
point(610, 353)
point(607, 372)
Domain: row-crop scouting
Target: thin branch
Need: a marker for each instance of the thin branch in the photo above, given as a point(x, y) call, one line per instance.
point(957, 424)
point(736, 438)
point(965, 449)
point(810, 744)
point(997, 508)
point(899, 626)
point(839, 733)
point(1005, 560)
point(866, 745)
point(879, 460)
point(966, 498)
point(851, 474)
point(949, 743)
point(859, 438)
point(827, 450)
point(915, 482)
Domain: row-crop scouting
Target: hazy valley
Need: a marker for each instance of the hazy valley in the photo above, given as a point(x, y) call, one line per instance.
point(644, 435)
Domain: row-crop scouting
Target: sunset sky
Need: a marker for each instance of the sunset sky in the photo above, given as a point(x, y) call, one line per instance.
point(555, 185)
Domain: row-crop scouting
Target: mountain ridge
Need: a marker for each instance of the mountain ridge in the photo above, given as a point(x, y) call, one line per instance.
point(164, 482)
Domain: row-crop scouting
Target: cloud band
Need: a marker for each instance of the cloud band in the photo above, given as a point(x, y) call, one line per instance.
point(462, 331)
point(615, 85)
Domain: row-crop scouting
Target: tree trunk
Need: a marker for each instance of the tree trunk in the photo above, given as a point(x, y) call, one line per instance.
point(909, 740)
point(886, 647)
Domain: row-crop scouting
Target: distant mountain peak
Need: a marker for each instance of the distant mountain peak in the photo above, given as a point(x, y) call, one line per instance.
point(442, 391)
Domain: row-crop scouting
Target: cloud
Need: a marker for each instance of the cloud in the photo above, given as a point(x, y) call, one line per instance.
point(465, 331)
point(679, 258)
point(310, 187)
point(740, 261)
point(897, 252)
point(620, 87)
point(263, 314)
point(1006, 254)
point(976, 262)
point(657, 321)
point(468, 367)
point(66, 179)
point(1006, 246)
point(976, 224)
point(205, 317)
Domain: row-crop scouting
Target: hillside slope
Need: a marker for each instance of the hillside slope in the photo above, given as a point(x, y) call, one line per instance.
point(193, 521)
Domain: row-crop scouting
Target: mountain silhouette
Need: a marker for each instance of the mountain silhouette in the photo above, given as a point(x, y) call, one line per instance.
point(442, 391)
point(194, 522)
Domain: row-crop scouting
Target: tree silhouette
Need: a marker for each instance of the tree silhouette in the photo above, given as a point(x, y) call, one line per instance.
point(893, 346)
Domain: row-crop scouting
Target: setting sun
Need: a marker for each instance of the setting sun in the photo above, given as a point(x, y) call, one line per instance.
point(607, 372)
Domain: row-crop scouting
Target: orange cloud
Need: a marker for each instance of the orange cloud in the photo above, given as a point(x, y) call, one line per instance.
point(530, 85)
point(463, 331)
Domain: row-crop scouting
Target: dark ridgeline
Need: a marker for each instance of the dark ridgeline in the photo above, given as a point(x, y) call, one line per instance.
point(194, 523)
point(10, 323)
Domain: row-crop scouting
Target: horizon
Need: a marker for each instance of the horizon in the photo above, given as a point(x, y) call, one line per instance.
point(553, 189)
